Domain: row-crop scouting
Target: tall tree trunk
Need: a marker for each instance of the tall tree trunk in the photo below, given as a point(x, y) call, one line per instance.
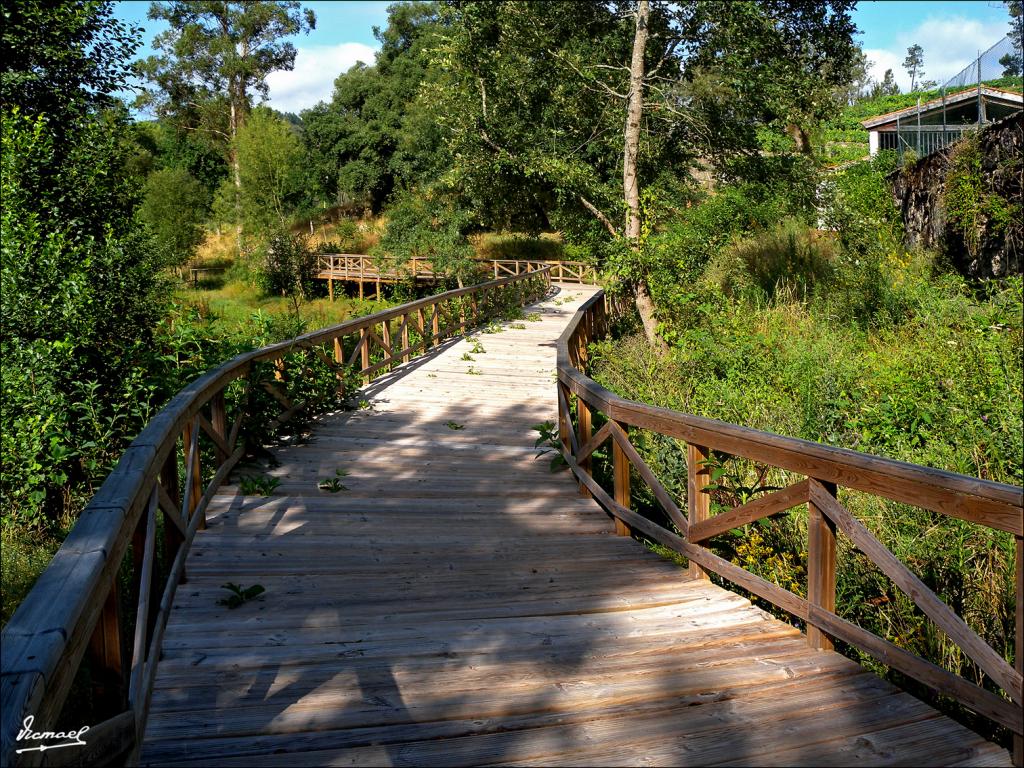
point(630, 181)
point(235, 170)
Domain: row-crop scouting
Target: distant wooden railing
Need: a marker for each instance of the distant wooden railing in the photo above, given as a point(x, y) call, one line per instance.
point(826, 469)
point(75, 608)
point(351, 266)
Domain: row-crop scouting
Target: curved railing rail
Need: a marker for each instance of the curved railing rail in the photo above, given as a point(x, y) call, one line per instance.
point(353, 266)
point(825, 469)
point(75, 606)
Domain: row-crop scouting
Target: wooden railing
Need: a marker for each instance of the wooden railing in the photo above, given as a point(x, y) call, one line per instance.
point(75, 607)
point(350, 266)
point(825, 470)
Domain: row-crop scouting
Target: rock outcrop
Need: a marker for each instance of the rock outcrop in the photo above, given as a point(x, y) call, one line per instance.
point(919, 190)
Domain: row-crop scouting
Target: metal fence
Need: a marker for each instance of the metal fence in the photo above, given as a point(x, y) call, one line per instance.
point(988, 66)
point(922, 140)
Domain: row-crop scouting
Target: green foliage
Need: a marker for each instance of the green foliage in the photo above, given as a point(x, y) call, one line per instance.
point(549, 442)
point(256, 485)
point(972, 209)
point(427, 227)
point(173, 208)
point(271, 161)
point(375, 137)
point(214, 55)
point(79, 281)
point(334, 484)
point(453, 425)
point(791, 257)
point(240, 595)
point(63, 59)
point(287, 266)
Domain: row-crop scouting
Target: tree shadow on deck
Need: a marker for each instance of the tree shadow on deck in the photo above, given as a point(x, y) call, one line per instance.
point(457, 604)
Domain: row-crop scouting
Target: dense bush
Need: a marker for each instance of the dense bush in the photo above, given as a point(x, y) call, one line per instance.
point(174, 208)
point(790, 257)
point(288, 267)
point(422, 226)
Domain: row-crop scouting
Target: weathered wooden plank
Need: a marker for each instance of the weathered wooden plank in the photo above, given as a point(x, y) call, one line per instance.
point(943, 616)
point(761, 507)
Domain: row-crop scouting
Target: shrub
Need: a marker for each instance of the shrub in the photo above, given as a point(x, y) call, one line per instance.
point(427, 227)
point(789, 257)
point(287, 265)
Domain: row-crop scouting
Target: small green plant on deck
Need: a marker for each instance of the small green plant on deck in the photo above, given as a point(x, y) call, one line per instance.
point(455, 426)
point(467, 357)
point(477, 348)
point(534, 317)
point(334, 484)
point(518, 326)
point(253, 485)
point(240, 594)
point(551, 443)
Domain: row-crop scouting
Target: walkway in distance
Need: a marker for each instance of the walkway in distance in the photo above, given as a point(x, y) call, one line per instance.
point(457, 603)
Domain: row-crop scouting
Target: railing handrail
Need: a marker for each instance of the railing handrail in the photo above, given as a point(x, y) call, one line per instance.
point(45, 639)
point(996, 505)
point(480, 259)
point(1001, 502)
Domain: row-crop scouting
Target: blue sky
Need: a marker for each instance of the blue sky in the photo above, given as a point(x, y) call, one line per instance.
point(950, 32)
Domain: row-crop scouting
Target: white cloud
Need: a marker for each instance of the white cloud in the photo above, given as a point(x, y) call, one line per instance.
point(950, 43)
point(312, 79)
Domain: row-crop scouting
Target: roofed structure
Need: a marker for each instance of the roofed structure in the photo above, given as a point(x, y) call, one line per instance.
point(930, 126)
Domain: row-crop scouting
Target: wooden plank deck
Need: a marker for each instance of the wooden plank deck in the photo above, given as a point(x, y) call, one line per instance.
point(461, 605)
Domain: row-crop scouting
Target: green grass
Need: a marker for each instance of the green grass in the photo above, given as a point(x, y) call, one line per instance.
point(234, 303)
point(24, 554)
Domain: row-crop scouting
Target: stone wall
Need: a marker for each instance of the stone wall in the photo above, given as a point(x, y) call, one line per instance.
point(919, 189)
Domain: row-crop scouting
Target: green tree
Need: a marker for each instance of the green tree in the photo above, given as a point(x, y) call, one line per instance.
point(887, 87)
point(557, 111)
point(1013, 62)
point(214, 56)
point(77, 271)
point(428, 226)
point(174, 207)
point(914, 64)
point(63, 58)
point(271, 168)
point(375, 136)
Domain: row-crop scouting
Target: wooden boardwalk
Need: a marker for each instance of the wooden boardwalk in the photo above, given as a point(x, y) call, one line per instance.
point(459, 604)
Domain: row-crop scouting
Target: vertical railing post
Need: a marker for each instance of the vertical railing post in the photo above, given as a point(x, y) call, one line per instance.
point(364, 339)
point(821, 567)
point(698, 477)
point(435, 325)
point(194, 478)
point(385, 335)
point(339, 358)
point(219, 422)
point(564, 417)
point(620, 476)
point(106, 657)
point(585, 432)
point(1018, 740)
point(173, 538)
point(405, 338)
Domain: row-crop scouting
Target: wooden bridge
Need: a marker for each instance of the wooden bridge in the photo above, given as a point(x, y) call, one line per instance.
point(365, 270)
point(435, 595)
